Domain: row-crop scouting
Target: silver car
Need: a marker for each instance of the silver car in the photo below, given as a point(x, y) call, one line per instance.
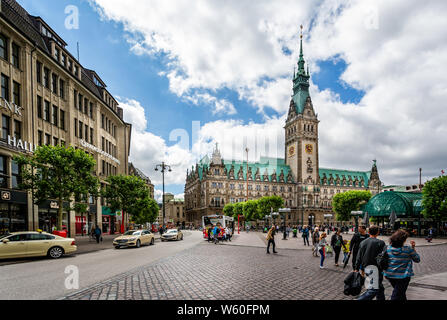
point(172, 234)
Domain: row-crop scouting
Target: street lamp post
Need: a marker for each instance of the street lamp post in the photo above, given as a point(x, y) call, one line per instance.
point(357, 214)
point(163, 167)
point(283, 213)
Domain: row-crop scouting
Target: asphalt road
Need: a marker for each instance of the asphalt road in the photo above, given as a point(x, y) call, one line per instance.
point(45, 279)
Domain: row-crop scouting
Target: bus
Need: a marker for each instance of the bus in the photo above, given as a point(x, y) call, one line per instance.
point(225, 222)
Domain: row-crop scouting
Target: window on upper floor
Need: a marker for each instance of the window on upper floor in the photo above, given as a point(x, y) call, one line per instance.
point(3, 47)
point(46, 111)
point(5, 87)
point(39, 107)
point(46, 77)
point(54, 83)
point(15, 55)
point(16, 93)
point(57, 54)
point(39, 72)
point(6, 127)
point(55, 115)
point(91, 110)
point(62, 119)
point(62, 89)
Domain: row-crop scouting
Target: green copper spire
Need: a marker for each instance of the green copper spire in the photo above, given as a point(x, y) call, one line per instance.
point(301, 62)
point(301, 81)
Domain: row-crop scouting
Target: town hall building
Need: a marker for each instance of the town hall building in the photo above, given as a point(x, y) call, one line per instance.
point(307, 189)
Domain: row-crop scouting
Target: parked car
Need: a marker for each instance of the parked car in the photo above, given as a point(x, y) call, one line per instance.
point(35, 244)
point(134, 238)
point(172, 234)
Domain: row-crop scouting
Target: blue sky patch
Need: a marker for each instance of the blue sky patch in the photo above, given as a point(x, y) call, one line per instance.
point(329, 78)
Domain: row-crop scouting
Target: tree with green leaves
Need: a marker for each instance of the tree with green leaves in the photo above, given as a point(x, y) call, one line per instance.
point(147, 211)
point(434, 199)
point(238, 209)
point(131, 195)
point(228, 210)
point(344, 203)
point(250, 210)
point(265, 205)
point(59, 173)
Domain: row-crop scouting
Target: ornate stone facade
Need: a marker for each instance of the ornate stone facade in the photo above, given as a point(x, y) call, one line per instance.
point(306, 188)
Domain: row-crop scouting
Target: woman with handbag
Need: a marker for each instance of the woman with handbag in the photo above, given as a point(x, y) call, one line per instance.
point(322, 248)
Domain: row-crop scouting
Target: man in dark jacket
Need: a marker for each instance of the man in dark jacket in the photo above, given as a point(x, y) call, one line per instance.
point(366, 263)
point(355, 243)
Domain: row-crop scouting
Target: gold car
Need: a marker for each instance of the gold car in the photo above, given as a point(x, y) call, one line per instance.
point(35, 244)
point(172, 234)
point(134, 238)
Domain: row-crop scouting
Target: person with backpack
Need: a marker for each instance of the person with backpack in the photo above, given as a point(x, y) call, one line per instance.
point(366, 263)
point(306, 235)
point(399, 269)
point(98, 234)
point(356, 240)
point(337, 243)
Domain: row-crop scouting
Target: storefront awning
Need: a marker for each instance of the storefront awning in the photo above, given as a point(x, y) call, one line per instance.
point(107, 212)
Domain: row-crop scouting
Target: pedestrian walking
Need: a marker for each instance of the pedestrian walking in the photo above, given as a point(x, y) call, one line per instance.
point(356, 240)
point(337, 244)
point(400, 264)
point(315, 241)
point(271, 239)
point(210, 233)
point(98, 234)
point(345, 250)
point(322, 248)
point(366, 263)
point(430, 236)
point(306, 235)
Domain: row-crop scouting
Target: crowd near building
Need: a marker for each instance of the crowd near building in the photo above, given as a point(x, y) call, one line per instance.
point(306, 188)
point(49, 98)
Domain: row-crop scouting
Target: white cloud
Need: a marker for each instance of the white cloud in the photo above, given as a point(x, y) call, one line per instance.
point(395, 51)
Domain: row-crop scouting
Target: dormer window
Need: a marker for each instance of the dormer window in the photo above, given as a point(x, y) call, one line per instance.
point(57, 53)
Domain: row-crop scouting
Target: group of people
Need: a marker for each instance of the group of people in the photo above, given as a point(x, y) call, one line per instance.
point(216, 233)
point(367, 253)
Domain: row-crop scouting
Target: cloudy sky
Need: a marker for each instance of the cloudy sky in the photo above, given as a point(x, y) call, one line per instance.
point(192, 73)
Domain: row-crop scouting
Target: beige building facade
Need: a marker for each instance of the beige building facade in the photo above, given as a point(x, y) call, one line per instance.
point(48, 97)
point(175, 214)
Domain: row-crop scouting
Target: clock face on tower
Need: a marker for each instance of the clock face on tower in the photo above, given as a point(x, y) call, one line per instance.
point(309, 148)
point(291, 151)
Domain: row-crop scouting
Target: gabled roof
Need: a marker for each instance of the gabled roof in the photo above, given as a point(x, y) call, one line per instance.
point(272, 165)
point(328, 173)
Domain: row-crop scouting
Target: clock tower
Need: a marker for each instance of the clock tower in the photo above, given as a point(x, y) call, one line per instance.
point(301, 133)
